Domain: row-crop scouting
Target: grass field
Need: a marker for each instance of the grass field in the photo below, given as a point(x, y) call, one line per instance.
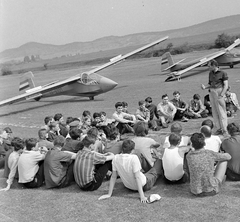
point(136, 79)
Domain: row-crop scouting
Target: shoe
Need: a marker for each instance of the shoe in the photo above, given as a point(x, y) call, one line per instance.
point(184, 119)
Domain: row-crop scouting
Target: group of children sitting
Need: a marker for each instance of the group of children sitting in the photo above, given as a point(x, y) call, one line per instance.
point(88, 152)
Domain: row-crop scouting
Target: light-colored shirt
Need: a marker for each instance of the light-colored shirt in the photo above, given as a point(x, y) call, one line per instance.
point(166, 109)
point(121, 117)
point(213, 143)
point(185, 141)
point(126, 166)
point(28, 165)
point(12, 164)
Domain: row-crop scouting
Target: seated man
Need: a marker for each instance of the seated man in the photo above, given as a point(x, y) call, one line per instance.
point(123, 123)
point(205, 178)
point(42, 139)
point(58, 165)
point(166, 111)
point(232, 146)
point(181, 107)
point(196, 109)
point(127, 166)
point(30, 165)
point(212, 142)
point(153, 124)
point(18, 145)
point(72, 144)
point(231, 102)
point(177, 128)
point(91, 167)
point(173, 160)
point(145, 145)
point(62, 126)
point(142, 113)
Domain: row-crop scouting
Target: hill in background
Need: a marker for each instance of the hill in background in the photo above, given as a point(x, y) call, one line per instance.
point(197, 34)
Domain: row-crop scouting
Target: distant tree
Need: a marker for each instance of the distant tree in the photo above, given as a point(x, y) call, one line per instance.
point(223, 40)
point(6, 71)
point(33, 58)
point(169, 47)
point(26, 59)
point(45, 66)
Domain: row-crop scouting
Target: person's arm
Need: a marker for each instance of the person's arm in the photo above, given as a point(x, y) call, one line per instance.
point(13, 170)
point(140, 188)
point(201, 107)
point(119, 119)
point(73, 154)
point(183, 149)
point(225, 87)
point(138, 115)
point(174, 110)
point(111, 186)
point(109, 156)
point(235, 100)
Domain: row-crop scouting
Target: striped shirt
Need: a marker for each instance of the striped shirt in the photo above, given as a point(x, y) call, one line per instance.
point(84, 165)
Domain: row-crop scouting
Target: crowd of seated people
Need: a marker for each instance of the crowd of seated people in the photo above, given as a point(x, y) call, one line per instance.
point(89, 149)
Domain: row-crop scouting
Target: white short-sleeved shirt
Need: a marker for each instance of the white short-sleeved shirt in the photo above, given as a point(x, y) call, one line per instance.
point(213, 143)
point(185, 140)
point(126, 165)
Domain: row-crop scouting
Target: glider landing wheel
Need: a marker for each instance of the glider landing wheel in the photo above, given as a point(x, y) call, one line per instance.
point(231, 66)
point(91, 97)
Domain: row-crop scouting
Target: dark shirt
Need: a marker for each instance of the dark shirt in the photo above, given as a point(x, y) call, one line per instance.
point(153, 111)
point(217, 78)
point(179, 103)
point(71, 145)
point(232, 146)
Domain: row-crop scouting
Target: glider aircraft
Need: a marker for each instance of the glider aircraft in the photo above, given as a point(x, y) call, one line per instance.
point(87, 84)
point(223, 57)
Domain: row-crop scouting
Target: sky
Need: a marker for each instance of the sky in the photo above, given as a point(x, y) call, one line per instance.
point(64, 21)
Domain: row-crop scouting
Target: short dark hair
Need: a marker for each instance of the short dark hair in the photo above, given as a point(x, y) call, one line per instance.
point(42, 133)
point(174, 139)
point(8, 130)
point(75, 133)
point(47, 119)
point(113, 133)
point(69, 120)
point(140, 129)
point(197, 140)
point(53, 124)
point(57, 116)
point(17, 143)
point(96, 115)
point(206, 131)
point(86, 113)
point(30, 143)
point(128, 146)
point(59, 141)
point(93, 132)
point(176, 92)
point(208, 122)
point(164, 95)
point(148, 99)
point(87, 141)
point(124, 104)
point(118, 104)
point(176, 128)
point(141, 102)
point(213, 63)
point(233, 128)
point(103, 113)
point(196, 96)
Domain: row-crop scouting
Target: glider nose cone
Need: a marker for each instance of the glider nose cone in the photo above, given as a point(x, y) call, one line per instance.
point(107, 84)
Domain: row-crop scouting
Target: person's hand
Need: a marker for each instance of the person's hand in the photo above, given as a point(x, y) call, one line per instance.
point(143, 199)
point(104, 197)
point(203, 87)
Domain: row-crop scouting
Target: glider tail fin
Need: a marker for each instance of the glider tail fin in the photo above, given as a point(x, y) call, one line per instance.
point(169, 58)
point(26, 81)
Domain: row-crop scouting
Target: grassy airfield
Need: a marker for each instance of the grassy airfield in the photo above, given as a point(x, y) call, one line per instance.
point(136, 80)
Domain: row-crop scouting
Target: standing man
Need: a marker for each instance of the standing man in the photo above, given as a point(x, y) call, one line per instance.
point(217, 85)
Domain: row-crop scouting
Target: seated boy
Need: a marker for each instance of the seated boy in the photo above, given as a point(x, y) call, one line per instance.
point(58, 165)
point(177, 128)
point(122, 119)
point(42, 139)
point(205, 179)
point(91, 167)
point(127, 166)
point(212, 142)
point(196, 108)
point(142, 113)
point(173, 160)
point(18, 145)
point(30, 165)
point(72, 143)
